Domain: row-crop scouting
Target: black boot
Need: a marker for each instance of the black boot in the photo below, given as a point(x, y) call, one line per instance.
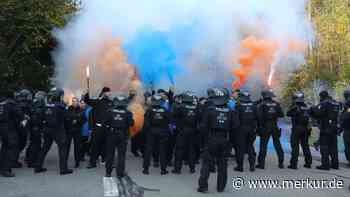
point(294, 167)
point(202, 190)
point(322, 167)
point(66, 171)
point(238, 169)
point(164, 172)
point(307, 166)
point(192, 170)
point(7, 173)
point(39, 170)
point(145, 171)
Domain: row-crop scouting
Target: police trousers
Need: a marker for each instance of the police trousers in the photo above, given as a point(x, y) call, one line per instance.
point(216, 150)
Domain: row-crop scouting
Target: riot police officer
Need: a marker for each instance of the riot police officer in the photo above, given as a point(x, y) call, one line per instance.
point(53, 122)
point(269, 111)
point(327, 112)
point(118, 122)
point(24, 100)
point(345, 124)
point(156, 126)
point(301, 130)
point(218, 123)
point(74, 122)
point(246, 134)
point(187, 120)
point(99, 111)
point(9, 117)
point(36, 128)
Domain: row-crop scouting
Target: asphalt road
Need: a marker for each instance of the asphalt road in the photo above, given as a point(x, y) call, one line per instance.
point(89, 183)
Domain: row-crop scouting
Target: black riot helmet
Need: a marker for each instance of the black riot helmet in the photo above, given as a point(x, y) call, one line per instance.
point(347, 95)
point(324, 95)
point(24, 95)
point(218, 96)
point(188, 97)
point(157, 100)
point(298, 97)
point(120, 101)
point(40, 97)
point(244, 96)
point(267, 94)
point(55, 94)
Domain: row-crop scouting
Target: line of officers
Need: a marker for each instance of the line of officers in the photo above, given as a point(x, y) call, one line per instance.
point(209, 127)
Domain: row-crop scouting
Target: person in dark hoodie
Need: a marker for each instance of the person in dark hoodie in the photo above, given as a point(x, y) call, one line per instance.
point(74, 120)
point(99, 113)
point(9, 116)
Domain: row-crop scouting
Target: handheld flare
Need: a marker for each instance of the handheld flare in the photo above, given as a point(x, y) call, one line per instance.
point(88, 77)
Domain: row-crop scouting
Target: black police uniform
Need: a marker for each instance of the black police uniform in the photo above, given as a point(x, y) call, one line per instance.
point(53, 121)
point(99, 111)
point(246, 134)
point(74, 120)
point(24, 130)
point(156, 127)
point(187, 120)
point(269, 111)
point(299, 112)
point(327, 112)
point(345, 124)
point(36, 132)
point(118, 122)
point(217, 123)
point(9, 117)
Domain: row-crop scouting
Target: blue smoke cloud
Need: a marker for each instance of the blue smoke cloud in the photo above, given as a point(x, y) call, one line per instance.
point(153, 55)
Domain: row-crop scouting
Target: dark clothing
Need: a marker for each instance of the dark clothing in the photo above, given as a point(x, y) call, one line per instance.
point(156, 127)
point(36, 133)
point(345, 125)
point(300, 133)
point(74, 122)
point(327, 113)
point(53, 122)
point(9, 117)
point(246, 133)
point(187, 119)
point(99, 114)
point(23, 131)
point(58, 136)
point(269, 111)
point(118, 122)
point(217, 124)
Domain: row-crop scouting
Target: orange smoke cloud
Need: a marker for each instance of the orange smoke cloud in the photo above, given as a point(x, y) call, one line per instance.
point(257, 55)
point(108, 66)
